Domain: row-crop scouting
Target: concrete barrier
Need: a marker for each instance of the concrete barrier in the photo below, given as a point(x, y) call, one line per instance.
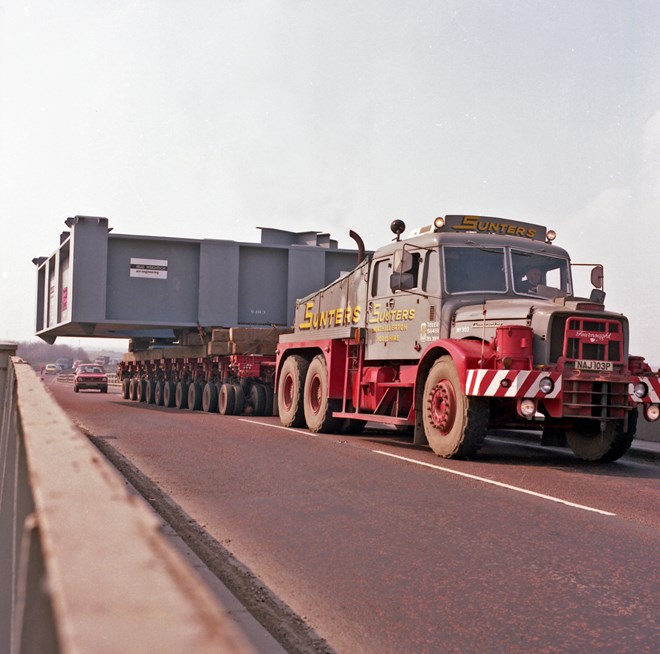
point(83, 564)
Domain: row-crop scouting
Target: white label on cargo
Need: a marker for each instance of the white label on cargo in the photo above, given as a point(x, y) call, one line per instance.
point(151, 268)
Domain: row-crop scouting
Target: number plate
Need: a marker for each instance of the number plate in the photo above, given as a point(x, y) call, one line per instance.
point(594, 366)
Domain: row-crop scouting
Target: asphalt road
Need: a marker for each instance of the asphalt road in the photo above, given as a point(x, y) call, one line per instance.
point(380, 546)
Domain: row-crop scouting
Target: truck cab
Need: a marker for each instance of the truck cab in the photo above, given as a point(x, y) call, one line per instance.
point(474, 312)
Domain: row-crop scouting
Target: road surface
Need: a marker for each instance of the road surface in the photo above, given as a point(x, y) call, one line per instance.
point(380, 546)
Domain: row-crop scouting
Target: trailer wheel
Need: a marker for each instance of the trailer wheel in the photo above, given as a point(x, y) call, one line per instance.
point(159, 393)
point(141, 390)
point(169, 394)
point(290, 391)
point(133, 389)
point(258, 399)
point(181, 395)
point(126, 388)
point(210, 398)
point(318, 405)
point(226, 400)
point(239, 399)
point(195, 396)
point(150, 392)
point(455, 425)
point(270, 400)
point(590, 444)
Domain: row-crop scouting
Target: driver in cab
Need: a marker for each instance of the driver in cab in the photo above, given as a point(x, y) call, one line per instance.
point(531, 281)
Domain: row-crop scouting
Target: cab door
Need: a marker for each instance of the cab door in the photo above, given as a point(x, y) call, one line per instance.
point(397, 303)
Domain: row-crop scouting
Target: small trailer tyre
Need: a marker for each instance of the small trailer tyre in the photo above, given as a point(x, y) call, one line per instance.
point(195, 391)
point(226, 400)
point(181, 395)
point(169, 394)
point(258, 399)
point(210, 398)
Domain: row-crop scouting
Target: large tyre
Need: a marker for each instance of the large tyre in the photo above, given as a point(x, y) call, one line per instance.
point(141, 390)
point(258, 399)
point(290, 391)
point(226, 400)
point(589, 443)
point(126, 388)
point(317, 404)
point(150, 392)
point(181, 395)
point(158, 393)
point(455, 425)
point(133, 389)
point(210, 398)
point(195, 391)
point(169, 394)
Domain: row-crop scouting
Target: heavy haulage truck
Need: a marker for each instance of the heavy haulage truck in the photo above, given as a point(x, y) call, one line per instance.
point(473, 323)
point(470, 324)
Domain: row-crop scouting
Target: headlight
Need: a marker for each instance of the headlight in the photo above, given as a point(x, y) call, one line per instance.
point(640, 390)
point(547, 385)
point(652, 412)
point(527, 408)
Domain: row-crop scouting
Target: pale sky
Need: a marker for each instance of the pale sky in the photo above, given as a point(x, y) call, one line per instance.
point(207, 119)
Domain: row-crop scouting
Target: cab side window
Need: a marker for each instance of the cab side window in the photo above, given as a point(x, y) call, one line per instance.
point(380, 278)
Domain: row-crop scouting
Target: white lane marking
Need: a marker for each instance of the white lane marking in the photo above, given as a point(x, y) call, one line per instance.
point(496, 483)
point(453, 472)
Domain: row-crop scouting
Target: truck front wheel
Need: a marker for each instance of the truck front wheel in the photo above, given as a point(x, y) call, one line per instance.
point(290, 391)
point(589, 443)
point(455, 425)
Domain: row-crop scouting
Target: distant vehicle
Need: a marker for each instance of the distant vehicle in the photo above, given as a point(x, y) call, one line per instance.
point(50, 369)
point(63, 363)
point(90, 376)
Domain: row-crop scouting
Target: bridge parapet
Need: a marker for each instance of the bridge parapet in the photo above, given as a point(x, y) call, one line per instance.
point(84, 566)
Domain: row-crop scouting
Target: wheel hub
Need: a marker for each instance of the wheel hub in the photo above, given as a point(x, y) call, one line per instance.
point(442, 406)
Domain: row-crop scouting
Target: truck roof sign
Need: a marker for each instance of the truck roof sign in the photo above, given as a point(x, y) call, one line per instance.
point(488, 225)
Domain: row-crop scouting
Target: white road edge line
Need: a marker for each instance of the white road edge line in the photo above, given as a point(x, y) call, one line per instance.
point(496, 483)
point(453, 472)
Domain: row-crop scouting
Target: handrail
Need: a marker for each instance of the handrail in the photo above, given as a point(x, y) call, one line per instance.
point(83, 564)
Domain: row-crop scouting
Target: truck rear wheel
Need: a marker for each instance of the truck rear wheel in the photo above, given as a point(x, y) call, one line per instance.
point(210, 398)
point(226, 400)
point(126, 388)
point(158, 393)
point(290, 391)
point(455, 425)
point(318, 405)
point(589, 443)
point(195, 396)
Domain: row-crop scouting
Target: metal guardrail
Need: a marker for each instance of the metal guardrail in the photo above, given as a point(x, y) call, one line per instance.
point(83, 564)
